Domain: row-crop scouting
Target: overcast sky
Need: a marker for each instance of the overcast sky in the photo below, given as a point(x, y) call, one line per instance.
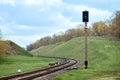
point(25, 21)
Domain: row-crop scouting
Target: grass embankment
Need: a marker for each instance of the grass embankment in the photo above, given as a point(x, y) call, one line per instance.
point(10, 64)
point(103, 57)
point(10, 48)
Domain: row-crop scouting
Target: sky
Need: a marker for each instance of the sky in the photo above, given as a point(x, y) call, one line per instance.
point(25, 21)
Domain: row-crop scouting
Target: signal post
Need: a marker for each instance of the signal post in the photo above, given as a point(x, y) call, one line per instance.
point(85, 19)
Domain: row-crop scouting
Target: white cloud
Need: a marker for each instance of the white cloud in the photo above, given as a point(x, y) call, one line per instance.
point(10, 27)
point(42, 2)
point(5, 28)
point(99, 14)
point(60, 20)
point(1, 19)
point(95, 14)
point(10, 2)
point(26, 27)
point(42, 9)
point(74, 23)
point(24, 40)
point(29, 38)
point(33, 2)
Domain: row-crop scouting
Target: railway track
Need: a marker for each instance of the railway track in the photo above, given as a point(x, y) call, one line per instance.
point(66, 63)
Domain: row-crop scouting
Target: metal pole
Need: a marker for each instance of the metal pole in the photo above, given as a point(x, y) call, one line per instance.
point(86, 55)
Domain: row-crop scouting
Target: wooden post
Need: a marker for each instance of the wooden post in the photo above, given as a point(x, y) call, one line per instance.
point(86, 19)
point(86, 47)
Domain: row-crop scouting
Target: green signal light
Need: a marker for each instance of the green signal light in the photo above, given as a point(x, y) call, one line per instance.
point(85, 16)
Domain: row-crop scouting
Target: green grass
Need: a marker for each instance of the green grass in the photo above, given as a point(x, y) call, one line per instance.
point(104, 58)
point(10, 64)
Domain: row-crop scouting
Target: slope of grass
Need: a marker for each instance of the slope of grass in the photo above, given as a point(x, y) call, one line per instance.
point(104, 58)
point(15, 49)
point(10, 64)
point(11, 48)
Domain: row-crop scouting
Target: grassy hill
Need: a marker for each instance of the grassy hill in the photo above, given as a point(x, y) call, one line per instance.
point(11, 48)
point(104, 58)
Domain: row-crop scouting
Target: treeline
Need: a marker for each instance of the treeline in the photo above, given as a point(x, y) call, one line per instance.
point(62, 37)
point(109, 29)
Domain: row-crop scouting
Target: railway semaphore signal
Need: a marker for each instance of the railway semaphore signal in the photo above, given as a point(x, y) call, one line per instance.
point(85, 19)
point(85, 16)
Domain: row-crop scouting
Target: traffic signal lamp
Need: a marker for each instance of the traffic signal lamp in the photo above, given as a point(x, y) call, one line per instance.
point(85, 16)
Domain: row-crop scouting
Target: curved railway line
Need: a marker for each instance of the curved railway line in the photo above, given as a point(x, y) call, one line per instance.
point(65, 64)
